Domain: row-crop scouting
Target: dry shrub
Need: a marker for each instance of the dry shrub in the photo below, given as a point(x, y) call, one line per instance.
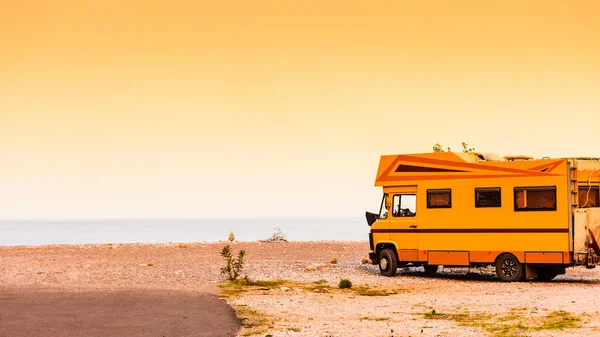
point(345, 284)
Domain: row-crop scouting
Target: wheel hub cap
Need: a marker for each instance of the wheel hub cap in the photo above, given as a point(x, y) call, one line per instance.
point(383, 264)
point(509, 268)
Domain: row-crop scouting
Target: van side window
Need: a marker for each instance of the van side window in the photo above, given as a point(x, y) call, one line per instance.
point(441, 198)
point(588, 196)
point(488, 197)
point(535, 198)
point(404, 205)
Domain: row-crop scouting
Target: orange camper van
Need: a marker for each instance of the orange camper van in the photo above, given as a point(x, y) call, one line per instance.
point(529, 218)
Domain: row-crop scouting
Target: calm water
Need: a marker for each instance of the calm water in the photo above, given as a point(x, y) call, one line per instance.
point(37, 232)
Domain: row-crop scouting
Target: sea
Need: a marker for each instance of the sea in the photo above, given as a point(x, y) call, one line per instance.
point(101, 231)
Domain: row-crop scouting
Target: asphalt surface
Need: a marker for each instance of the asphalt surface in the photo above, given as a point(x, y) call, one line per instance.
point(156, 313)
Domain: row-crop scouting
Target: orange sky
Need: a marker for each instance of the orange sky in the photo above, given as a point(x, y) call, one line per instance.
point(174, 108)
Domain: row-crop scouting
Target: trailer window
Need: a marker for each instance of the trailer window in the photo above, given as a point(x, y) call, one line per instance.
point(588, 196)
point(535, 198)
point(487, 197)
point(404, 205)
point(439, 198)
point(383, 211)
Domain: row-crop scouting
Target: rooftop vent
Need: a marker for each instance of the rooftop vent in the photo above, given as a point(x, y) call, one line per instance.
point(488, 156)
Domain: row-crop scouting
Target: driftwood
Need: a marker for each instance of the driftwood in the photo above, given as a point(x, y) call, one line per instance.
point(278, 236)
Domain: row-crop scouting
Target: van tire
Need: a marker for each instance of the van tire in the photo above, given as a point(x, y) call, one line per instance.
point(509, 269)
point(388, 263)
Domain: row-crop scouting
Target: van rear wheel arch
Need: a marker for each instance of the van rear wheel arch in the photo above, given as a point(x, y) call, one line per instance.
point(504, 253)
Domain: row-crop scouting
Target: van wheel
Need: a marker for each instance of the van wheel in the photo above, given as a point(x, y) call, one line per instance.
point(388, 263)
point(509, 269)
point(430, 269)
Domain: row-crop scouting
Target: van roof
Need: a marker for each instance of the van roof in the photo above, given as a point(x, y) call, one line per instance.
point(411, 168)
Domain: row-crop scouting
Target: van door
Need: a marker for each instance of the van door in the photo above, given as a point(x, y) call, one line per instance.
point(403, 224)
point(381, 228)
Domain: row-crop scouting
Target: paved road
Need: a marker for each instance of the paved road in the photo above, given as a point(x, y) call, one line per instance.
point(153, 313)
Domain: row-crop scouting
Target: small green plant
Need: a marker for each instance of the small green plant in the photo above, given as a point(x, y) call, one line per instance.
point(345, 284)
point(233, 267)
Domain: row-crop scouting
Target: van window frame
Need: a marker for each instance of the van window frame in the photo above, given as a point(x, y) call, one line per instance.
point(383, 203)
point(439, 191)
point(488, 189)
point(400, 195)
point(519, 188)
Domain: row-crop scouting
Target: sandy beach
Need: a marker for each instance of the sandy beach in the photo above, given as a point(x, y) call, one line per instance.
point(304, 301)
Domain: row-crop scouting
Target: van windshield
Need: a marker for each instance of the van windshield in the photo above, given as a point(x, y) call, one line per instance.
point(383, 211)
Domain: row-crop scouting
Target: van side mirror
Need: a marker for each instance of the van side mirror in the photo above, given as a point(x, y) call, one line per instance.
point(371, 218)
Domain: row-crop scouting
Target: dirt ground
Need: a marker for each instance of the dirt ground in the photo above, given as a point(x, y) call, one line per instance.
point(148, 289)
